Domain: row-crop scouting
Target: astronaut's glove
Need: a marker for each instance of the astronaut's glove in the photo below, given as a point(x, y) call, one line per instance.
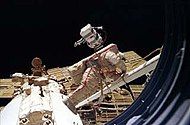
point(119, 71)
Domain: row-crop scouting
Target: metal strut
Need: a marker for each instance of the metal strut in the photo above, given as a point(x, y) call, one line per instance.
point(128, 88)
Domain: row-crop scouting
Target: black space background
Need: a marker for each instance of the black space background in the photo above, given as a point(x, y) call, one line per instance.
point(48, 29)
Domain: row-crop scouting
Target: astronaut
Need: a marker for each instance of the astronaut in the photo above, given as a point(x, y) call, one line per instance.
point(105, 65)
point(38, 69)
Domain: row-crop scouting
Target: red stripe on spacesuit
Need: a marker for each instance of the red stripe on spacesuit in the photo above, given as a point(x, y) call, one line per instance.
point(85, 81)
point(87, 76)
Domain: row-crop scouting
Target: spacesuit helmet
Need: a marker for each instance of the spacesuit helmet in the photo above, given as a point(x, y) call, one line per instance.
point(36, 62)
point(91, 36)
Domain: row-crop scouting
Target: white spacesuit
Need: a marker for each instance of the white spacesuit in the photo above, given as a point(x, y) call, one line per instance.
point(106, 65)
